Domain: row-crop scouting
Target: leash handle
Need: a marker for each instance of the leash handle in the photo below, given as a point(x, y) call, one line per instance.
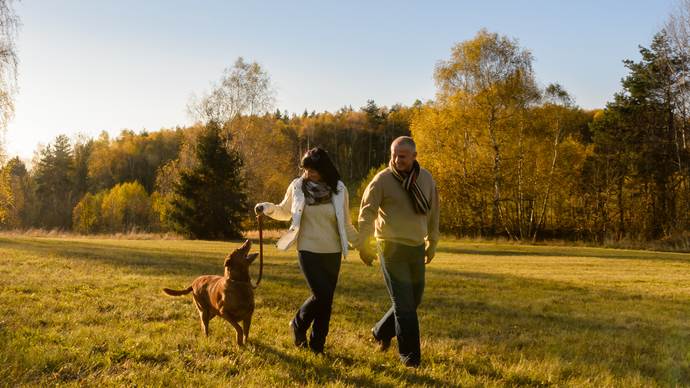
point(260, 221)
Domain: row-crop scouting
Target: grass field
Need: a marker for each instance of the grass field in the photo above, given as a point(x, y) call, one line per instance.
point(91, 312)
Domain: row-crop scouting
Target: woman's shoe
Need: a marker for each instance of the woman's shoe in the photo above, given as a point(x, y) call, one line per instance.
point(382, 344)
point(299, 338)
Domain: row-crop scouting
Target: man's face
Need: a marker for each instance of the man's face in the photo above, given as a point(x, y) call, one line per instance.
point(403, 157)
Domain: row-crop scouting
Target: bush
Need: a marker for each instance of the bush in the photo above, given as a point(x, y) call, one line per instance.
point(123, 208)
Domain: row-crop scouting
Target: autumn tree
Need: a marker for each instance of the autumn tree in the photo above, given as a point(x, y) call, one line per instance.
point(6, 199)
point(485, 87)
point(87, 214)
point(20, 211)
point(129, 157)
point(244, 89)
point(125, 208)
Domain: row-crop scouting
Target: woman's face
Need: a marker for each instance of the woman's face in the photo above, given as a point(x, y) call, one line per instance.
point(312, 175)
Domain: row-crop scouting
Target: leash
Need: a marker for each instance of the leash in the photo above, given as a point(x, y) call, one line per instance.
point(260, 221)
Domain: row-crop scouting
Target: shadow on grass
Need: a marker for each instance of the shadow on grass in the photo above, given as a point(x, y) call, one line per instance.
point(544, 318)
point(154, 261)
point(626, 333)
point(149, 261)
point(556, 251)
point(299, 370)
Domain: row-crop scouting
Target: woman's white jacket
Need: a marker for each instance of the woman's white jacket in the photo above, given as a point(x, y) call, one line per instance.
point(292, 207)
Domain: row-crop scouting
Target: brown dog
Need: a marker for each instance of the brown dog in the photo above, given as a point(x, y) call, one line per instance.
point(230, 296)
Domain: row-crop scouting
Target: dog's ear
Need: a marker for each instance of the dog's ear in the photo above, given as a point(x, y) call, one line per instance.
point(228, 259)
point(251, 257)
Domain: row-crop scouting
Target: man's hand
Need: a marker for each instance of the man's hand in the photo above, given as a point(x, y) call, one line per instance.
point(366, 257)
point(259, 208)
point(366, 252)
point(429, 253)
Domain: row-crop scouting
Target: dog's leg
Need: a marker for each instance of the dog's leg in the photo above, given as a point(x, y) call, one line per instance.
point(204, 315)
point(238, 329)
point(245, 324)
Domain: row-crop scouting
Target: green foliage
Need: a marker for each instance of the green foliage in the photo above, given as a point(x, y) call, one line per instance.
point(54, 185)
point(6, 197)
point(124, 208)
point(162, 199)
point(23, 211)
point(87, 216)
point(365, 182)
point(209, 199)
point(639, 171)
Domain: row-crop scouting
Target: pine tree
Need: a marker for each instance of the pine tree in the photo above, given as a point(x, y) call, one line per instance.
point(210, 199)
point(54, 179)
point(639, 138)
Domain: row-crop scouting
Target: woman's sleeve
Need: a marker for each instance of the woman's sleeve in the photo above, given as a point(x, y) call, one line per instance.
point(352, 235)
point(281, 211)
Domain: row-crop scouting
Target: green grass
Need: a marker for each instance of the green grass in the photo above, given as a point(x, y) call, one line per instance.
point(91, 312)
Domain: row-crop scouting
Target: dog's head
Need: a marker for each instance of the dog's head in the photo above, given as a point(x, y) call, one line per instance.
point(237, 263)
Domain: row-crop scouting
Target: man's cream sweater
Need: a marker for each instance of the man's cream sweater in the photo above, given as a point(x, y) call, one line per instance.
point(387, 212)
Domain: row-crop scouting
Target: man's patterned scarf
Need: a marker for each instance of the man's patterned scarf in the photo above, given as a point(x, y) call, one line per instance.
point(409, 183)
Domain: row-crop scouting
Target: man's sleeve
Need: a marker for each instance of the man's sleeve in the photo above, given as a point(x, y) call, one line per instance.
point(368, 209)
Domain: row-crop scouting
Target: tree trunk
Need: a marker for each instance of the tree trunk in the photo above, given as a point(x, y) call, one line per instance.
point(541, 223)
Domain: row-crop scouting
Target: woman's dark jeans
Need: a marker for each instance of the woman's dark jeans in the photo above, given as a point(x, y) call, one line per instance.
point(321, 272)
point(403, 271)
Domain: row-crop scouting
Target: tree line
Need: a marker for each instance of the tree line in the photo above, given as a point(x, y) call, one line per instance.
point(511, 158)
point(197, 181)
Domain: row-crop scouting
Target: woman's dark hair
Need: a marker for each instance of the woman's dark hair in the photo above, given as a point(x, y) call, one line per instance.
point(318, 159)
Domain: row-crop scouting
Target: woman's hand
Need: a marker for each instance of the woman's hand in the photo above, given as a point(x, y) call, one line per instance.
point(366, 251)
point(366, 257)
point(259, 208)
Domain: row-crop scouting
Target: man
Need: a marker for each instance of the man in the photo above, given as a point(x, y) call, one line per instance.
point(400, 208)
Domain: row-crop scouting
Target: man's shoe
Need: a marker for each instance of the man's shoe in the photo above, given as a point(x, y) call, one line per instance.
point(299, 338)
point(382, 344)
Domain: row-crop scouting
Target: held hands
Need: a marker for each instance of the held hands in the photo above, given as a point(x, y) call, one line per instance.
point(366, 252)
point(367, 257)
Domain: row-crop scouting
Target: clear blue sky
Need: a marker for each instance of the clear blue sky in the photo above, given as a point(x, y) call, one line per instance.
point(88, 66)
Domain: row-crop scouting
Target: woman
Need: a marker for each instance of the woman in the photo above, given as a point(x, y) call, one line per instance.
point(317, 203)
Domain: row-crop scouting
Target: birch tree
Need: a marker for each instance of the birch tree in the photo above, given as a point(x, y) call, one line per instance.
point(491, 77)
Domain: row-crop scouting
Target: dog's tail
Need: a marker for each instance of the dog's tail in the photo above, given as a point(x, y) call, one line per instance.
point(178, 292)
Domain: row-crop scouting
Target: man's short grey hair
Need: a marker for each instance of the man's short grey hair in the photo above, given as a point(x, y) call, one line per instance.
point(404, 141)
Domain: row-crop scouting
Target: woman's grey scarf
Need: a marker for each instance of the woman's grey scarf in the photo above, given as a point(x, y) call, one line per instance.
point(316, 193)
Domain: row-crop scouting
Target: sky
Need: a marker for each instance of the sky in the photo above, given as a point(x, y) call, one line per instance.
point(108, 65)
